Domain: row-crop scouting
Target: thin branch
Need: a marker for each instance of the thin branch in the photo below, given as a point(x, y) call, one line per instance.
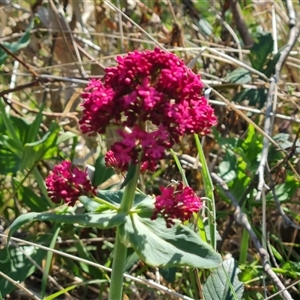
point(265, 150)
point(112, 6)
point(240, 23)
point(291, 13)
point(255, 110)
point(20, 286)
point(233, 34)
point(294, 34)
point(28, 67)
point(62, 23)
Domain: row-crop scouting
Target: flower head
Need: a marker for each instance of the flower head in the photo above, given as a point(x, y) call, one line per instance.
point(147, 87)
point(176, 202)
point(67, 183)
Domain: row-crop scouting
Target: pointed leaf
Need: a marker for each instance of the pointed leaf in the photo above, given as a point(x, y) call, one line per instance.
point(102, 173)
point(218, 283)
point(9, 162)
point(160, 246)
point(115, 197)
point(239, 75)
point(64, 137)
point(6, 119)
point(129, 175)
point(34, 152)
point(256, 97)
point(227, 168)
point(28, 196)
point(260, 51)
point(105, 220)
point(35, 126)
point(16, 46)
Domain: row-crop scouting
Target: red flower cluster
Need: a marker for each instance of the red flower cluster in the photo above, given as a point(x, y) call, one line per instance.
point(176, 202)
point(148, 86)
point(67, 183)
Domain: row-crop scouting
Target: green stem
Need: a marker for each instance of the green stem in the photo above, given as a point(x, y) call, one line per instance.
point(104, 202)
point(120, 250)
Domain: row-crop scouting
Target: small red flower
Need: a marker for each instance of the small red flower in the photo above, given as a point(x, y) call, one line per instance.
point(67, 183)
point(176, 202)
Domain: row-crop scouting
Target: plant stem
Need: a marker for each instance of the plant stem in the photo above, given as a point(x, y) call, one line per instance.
point(120, 250)
point(104, 202)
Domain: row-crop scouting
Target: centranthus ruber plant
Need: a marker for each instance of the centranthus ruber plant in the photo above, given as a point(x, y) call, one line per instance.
point(145, 89)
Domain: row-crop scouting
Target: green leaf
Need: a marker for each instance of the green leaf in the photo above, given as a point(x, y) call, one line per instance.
point(209, 192)
point(85, 254)
point(252, 146)
point(91, 206)
point(6, 119)
point(18, 267)
point(129, 175)
point(9, 162)
point(283, 140)
point(16, 46)
point(35, 126)
point(286, 190)
point(160, 246)
point(270, 69)
point(223, 282)
point(169, 274)
point(49, 258)
point(260, 51)
point(102, 173)
point(34, 152)
point(105, 220)
point(228, 166)
point(145, 207)
point(65, 136)
point(256, 97)
point(239, 75)
point(115, 197)
point(205, 27)
point(21, 127)
point(28, 196)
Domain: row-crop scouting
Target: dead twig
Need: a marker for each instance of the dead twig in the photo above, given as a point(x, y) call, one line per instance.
point(294, 34)
point(23, 63)
point(20, 286)
point(240, 23)
point(291, 13)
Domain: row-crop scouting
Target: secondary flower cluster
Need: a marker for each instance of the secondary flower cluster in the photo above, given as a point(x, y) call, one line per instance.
point(146, 87)
point(67, 183)
point(176, 202)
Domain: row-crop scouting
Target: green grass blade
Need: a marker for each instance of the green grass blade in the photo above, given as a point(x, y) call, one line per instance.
point(181, 171)
point(41, 183)
point(48, 262)
point(209, 192)
point(244, 247)
point(9, 126)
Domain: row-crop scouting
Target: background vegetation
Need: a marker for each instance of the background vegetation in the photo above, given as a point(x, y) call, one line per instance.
point(247, 53)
